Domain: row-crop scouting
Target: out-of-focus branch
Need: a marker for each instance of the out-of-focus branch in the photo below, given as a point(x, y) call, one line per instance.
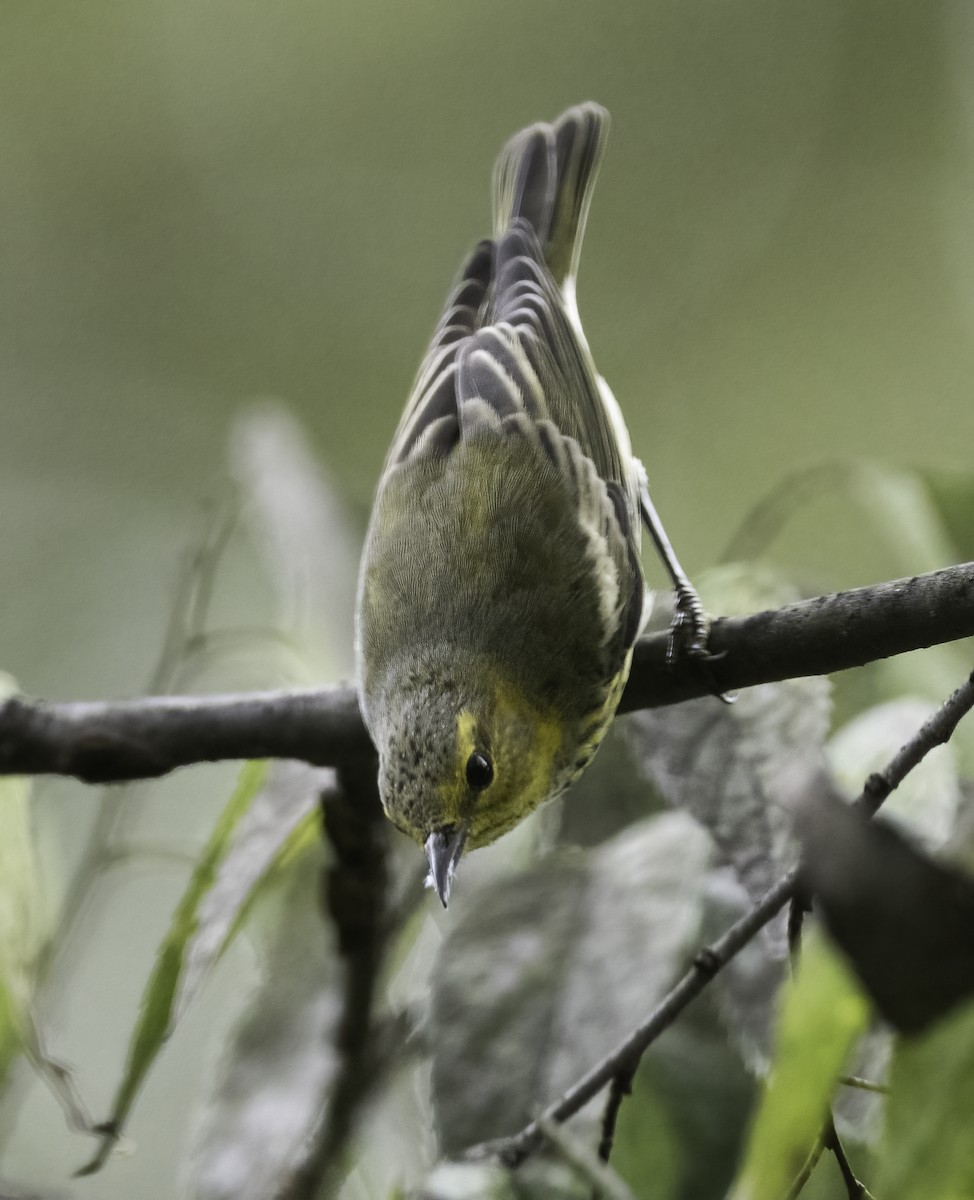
point(355, 901)
point(107, 742)
point(513, 1150)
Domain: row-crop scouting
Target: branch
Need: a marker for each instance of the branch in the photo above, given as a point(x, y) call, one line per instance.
point(513, 1150)
point(355, 898)
point(139, 739)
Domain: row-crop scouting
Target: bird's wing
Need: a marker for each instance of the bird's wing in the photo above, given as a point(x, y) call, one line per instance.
point(430, 422)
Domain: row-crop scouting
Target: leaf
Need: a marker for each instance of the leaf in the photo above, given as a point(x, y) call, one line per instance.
point(903, 511)
point(535, 982)
point(953, 494)
point(278, 1063)
point(745, 992)
point(822, 1015)
point(259, 825)
point(470, 1181)
point(858, 1112)
point(653, 1166)
point(22, 928)
point(679, 1134)
point(310, 544)
point(537, 1179)
point(896, 505)
point(903, 920)
point(279, 821)
point(928, 1151)
point(739, 769)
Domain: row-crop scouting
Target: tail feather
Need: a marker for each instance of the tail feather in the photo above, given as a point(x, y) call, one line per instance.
point(545, 176)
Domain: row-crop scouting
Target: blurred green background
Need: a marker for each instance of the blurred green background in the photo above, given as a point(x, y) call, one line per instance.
point(206, 203)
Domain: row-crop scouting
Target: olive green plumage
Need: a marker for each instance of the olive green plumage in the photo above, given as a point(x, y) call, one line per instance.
point(501, 590)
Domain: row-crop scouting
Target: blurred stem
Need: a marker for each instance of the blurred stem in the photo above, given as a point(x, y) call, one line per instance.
point(355, 903)
point(186, 625)
point(187, 621)
point(765, 521)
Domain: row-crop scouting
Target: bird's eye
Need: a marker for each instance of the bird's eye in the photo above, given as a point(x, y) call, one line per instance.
point(480, 771)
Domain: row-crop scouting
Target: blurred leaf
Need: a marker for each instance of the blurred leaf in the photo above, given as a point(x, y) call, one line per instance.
point(470, 1181)
point(161, 1000)
point(22, 928)
point(745, 992)
point(535, 980)
point(311, 546)
point(270, 1089)
point(280, 821)
point(928, 1150)
point(611, 794)
point(651, 1165)
point(903, 920)
point(739, 769)
point(679, 1135)
point(927, 801)
point(537, 1179)
point(822, 1015)
point(858, 1112)
point(899, 505)
point(779, 505)
point(953, 494)
point(903, 511)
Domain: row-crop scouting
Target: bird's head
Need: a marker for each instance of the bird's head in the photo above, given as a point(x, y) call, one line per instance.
point(460, 765)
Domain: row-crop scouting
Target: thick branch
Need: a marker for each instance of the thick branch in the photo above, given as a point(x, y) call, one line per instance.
point(138, 739)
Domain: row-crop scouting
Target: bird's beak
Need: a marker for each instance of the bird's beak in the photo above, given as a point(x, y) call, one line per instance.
point(443, 850)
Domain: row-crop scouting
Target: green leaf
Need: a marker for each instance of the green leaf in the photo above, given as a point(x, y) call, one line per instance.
point(161, 1000)
point(822, 1015)
point(279, 823)
point(535, 980)
point(928, 1150)
point(651, 1165)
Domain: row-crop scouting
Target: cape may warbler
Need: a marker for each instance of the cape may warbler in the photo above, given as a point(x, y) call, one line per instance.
point(501, 589)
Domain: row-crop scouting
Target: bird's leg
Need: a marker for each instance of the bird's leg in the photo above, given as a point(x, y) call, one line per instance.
point(690, 627)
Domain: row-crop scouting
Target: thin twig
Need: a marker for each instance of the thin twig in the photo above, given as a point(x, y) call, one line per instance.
point(854, 1189)
point(620, 1089)
point(140, 739)
point(808, 1166)
point(513, 1150)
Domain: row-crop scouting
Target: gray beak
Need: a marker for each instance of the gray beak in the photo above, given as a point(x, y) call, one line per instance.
point(443, 850)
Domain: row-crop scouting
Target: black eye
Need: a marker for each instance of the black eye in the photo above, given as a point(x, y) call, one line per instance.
point(480, 771)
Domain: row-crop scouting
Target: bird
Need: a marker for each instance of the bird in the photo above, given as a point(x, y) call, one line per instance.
point(501, 589)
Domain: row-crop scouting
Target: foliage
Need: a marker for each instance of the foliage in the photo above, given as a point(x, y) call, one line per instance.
point(565, 937)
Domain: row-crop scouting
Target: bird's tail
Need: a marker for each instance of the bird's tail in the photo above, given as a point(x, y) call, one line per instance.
point(545, 176)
